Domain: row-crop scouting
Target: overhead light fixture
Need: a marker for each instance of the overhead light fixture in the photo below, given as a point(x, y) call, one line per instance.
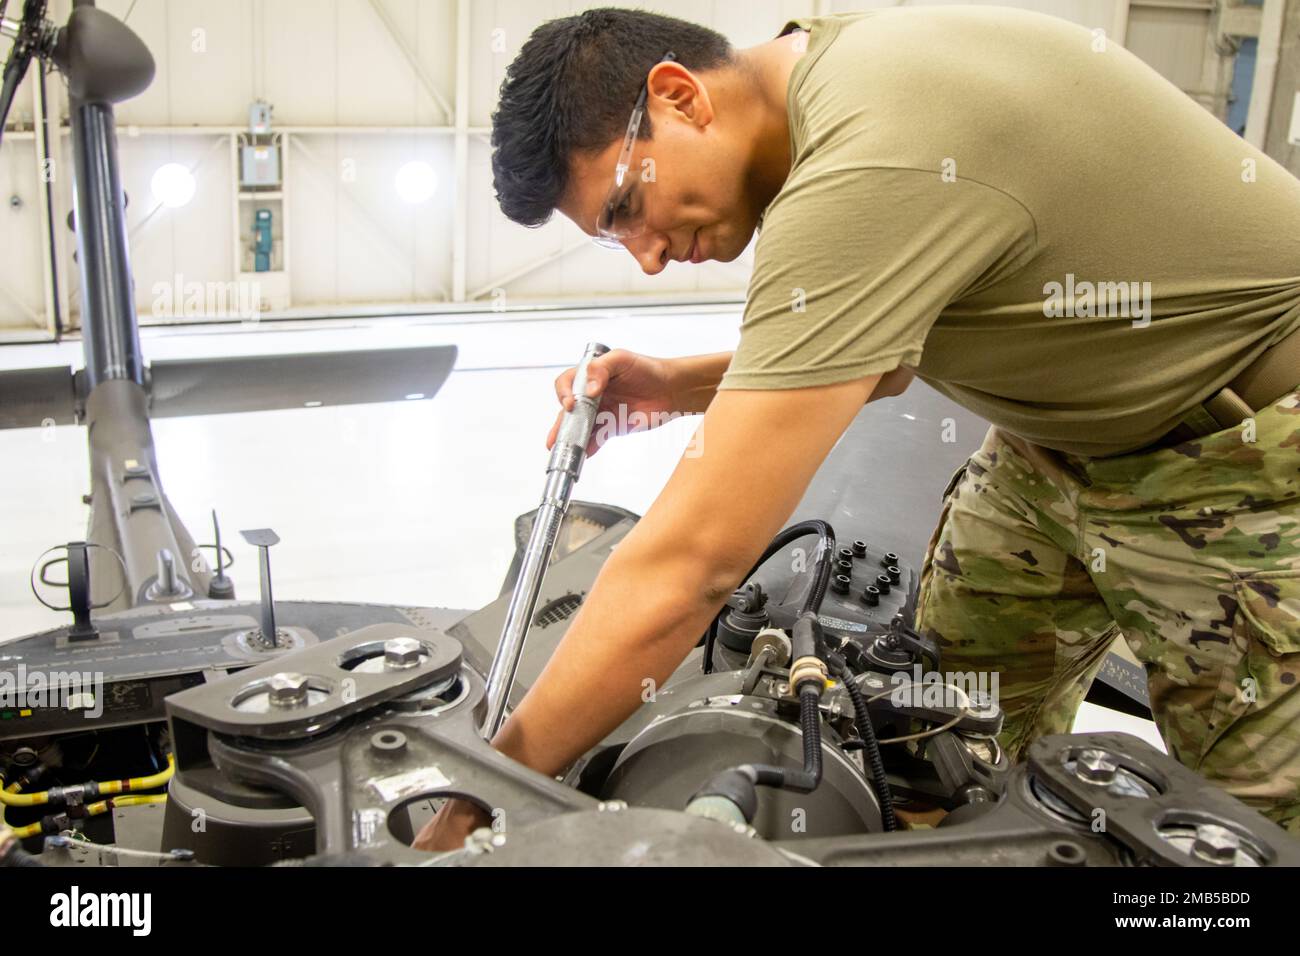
point(173, 185)
point(416, 182)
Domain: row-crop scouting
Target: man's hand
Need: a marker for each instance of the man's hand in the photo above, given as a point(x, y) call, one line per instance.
point(449, 827)
point(649, 390)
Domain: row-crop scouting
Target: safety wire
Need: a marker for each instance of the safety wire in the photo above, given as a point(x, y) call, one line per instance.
point(69, 839)
point(933, 731)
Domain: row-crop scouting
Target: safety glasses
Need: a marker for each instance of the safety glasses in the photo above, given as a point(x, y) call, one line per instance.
point(623, 215)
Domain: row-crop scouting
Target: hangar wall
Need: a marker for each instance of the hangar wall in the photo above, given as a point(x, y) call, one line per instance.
point(396, 81)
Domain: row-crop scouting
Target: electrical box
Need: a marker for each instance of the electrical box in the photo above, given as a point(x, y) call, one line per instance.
point(261, 165)
point(259, 117)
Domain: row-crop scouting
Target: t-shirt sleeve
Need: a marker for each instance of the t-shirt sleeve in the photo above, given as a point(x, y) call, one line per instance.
point(853, 267)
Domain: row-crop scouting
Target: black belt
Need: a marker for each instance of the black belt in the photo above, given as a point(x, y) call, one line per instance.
point(1270, 376)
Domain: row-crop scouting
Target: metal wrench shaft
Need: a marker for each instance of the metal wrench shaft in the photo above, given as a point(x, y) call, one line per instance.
point(562, 470)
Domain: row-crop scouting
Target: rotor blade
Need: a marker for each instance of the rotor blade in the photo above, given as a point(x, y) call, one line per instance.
point(30, 397)
point(261, 382)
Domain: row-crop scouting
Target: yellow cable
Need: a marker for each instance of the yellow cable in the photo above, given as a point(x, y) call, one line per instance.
point(103, 806)
point(108, 788)
point(95, 809)
point(10, 797)
point(11, 788)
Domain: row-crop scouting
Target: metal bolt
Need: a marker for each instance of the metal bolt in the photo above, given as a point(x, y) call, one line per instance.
point(389, 741)
point(1216, 844)
point(287, 690)
point(402, 652)
point(1095, 766)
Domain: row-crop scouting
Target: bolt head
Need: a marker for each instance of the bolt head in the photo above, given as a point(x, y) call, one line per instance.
point(1096, 766)
point(1216, 844)
point(287, 689)
point(402, 652)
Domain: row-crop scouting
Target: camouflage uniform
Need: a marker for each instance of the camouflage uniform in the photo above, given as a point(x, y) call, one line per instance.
point(1191, 552)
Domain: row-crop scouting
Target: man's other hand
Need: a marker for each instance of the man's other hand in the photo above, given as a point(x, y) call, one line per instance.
point(450, 826)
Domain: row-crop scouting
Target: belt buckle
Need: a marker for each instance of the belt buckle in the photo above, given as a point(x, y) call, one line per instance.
point(1224, 409)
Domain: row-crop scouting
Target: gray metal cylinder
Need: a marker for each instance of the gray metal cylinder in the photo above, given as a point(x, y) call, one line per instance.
point(110, 339)
point(666, 763)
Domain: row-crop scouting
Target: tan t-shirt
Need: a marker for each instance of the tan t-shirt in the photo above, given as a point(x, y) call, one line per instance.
point(1034, 220)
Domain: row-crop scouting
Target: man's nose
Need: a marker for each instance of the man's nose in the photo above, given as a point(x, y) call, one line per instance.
point(650, 250)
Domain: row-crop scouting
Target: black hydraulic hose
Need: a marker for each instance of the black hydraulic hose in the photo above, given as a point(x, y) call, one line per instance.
point(825, 557)
point(821, 573)
point(710, 640)
point(804, 780)
point(870, 747)
point(739, 784)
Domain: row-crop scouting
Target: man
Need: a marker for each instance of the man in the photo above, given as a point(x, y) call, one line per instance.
point(1036, 224)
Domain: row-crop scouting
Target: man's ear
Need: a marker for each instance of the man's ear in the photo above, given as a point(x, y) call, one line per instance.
point(676, 91)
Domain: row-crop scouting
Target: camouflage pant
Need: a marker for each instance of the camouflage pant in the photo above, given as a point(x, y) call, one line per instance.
point(1191, 552)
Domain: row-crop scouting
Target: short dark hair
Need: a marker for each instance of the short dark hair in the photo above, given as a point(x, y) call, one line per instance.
point(571, 90)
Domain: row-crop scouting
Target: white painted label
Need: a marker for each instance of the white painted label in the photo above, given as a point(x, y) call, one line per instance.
point(401, 785)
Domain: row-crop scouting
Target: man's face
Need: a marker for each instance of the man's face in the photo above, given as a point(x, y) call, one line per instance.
point(689, 182)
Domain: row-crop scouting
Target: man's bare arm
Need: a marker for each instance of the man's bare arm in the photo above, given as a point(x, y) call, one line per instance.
point(695, 380)
point(666, 580)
